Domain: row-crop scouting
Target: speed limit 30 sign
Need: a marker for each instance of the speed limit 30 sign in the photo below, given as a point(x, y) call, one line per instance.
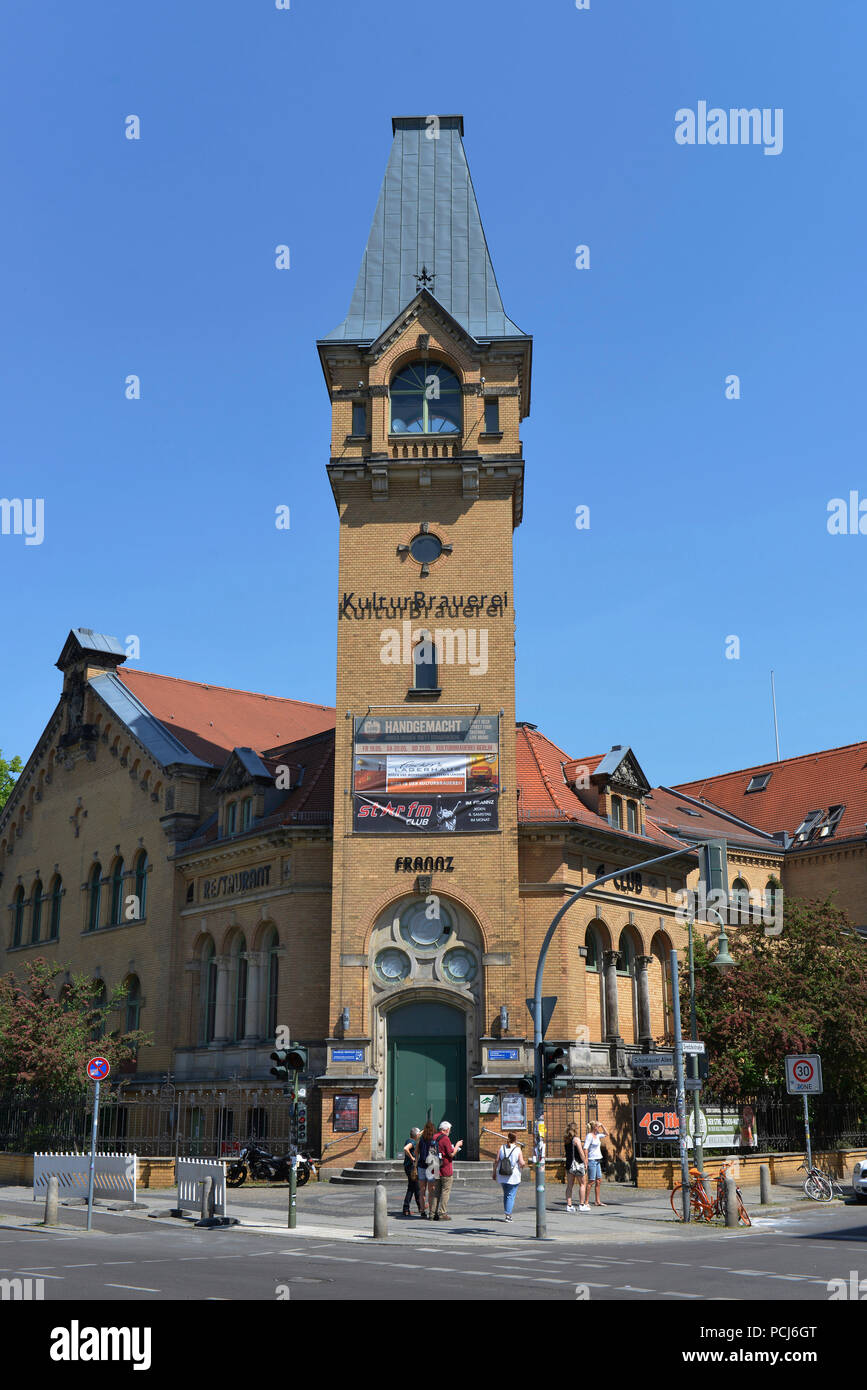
point(804, 1074)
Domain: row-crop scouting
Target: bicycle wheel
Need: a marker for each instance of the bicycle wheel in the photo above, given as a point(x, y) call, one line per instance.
point(814, 1188)
point(743, 1214)
point(826, 1191)
point(700, 1209)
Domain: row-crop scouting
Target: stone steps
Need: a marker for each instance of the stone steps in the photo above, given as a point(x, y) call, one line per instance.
point(369, 1171)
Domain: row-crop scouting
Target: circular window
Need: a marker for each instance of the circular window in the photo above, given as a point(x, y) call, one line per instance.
point(392, 965)
point(459, 966)
point(419, 929)
point(425, 547)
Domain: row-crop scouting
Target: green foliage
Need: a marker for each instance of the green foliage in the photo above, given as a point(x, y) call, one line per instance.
point(805, 990)
point(8, 776)
point(45, 1044)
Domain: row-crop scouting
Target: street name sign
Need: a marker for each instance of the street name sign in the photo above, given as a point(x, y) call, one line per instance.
point(692, 1048)
point(652, 1059)
point(804, 1074)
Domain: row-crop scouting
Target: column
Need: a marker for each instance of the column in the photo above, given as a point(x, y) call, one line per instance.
point(642, 986)
point(610, 960)
point(221, 1018)
point(253, 1023)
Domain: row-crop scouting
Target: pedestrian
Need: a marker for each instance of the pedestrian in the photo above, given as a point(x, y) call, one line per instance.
point(410, 1167)
point(507, 1171)
point(593, 1150)
point(443, 1185)
point(428, 1168)
point(576, 1167)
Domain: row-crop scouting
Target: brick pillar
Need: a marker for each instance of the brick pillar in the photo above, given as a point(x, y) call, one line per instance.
point(642, 985)
point(610, 961)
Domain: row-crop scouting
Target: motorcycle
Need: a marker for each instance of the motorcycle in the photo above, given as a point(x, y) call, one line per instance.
point(256, 1162)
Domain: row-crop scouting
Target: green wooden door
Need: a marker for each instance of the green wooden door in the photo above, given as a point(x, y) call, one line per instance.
point(427, 1071)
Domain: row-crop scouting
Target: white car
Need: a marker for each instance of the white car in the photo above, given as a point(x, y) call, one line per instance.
point(859, 1181)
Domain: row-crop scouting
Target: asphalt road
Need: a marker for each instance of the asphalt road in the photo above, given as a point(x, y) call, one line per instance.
point(129, 1259)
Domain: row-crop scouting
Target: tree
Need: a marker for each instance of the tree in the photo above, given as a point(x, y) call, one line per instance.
point(9, 772)
point(45, 1042)
point(802, 991)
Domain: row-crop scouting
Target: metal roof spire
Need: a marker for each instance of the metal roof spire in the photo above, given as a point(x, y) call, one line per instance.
point(427, 216)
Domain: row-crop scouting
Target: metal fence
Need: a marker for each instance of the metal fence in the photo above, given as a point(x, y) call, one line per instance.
point(154, 1122)
point(778, 1121)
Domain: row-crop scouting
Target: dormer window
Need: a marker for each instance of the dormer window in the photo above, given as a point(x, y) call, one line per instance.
point(426, 399)
point(617, 812)
point(246, 813)
point(231, 817)
point(632, 817)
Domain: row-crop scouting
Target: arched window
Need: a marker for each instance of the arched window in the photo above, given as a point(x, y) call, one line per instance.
point(617, 812)
point(739, 911)
point(116, 914)
point(94, 895)
point(772, 896)
point(632, 817)
point(35, 911)
point(425, 399)
point(208, 991)
point(272, 947)
point(18, 916)
point(626, 947)
point(141, 882)
point(97, 1001)
point(424, 663)
point(133, 1004)
point(594, 952)
point(56, 898)
point(240, 1011)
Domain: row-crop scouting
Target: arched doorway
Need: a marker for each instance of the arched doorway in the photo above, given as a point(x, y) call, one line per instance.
point(427, 1069)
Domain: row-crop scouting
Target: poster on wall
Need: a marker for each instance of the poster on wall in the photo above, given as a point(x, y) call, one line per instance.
point(726, 1127)
point(513, 1111)
point(428, 773)
point(345, 1120)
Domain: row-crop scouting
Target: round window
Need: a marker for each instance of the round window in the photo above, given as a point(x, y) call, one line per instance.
point(459, 966)
point(425, 925)
point(425, 547)
point(392, 965)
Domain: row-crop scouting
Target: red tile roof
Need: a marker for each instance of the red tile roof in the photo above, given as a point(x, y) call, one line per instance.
point(681, 814)
point(545, 797)
point(211, 720)
point(816, 781)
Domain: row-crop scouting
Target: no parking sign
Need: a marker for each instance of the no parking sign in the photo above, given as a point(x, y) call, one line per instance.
point(98, 1068)
point(804, 1074)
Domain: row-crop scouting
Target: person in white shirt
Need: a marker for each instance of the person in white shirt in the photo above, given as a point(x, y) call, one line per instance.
point(593, 1150)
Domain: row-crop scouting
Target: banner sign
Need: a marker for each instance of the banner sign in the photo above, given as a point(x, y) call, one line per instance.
point(656, 1123)
point(729, 1127)
point(429, 773)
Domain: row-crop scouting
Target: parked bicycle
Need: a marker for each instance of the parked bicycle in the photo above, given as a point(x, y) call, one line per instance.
point(702, 1206)
point(819, 1185)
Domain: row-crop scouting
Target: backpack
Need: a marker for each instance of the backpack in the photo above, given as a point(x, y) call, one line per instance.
point(506, 1166)
point(432, 1160)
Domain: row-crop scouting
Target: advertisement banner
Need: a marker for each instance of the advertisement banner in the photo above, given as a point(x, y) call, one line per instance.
point(656, 1123)
point(429, 773)
point(729, 1127)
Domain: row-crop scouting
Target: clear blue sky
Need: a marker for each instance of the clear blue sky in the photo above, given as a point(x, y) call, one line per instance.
point(260, 127)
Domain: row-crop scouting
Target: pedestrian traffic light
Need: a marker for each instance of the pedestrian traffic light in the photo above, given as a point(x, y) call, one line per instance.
point(554, 1067)
point(526, 1085)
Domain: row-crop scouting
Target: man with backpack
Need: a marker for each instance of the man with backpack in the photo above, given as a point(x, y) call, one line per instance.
point(443, 1186)
point(507, 1171)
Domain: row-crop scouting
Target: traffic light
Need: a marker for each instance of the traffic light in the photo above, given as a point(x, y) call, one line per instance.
point(301, 1124)
point(703, 1066)
point(288, 1059)
point(554, 1060)
point(526, 1085)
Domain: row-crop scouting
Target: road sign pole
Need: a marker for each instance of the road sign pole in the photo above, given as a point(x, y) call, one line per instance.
point(697, 1142)
point(681, 1099)
point(807, 1130)
point(93, 1134)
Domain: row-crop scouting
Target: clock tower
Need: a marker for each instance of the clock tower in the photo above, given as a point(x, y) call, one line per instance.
point(429, 381)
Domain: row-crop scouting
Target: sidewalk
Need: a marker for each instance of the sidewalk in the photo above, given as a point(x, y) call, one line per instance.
point(328, 1213)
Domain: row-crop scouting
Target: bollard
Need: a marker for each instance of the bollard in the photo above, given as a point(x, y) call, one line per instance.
point(51, 1195)
point(764, 1183)
point(380, 1213)
point(731, 1202)
point(207, 1208)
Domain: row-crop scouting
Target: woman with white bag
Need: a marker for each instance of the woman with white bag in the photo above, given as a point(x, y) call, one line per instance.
point(576, 1167)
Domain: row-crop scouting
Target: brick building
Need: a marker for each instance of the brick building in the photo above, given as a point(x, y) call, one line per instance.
point(378, 878)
